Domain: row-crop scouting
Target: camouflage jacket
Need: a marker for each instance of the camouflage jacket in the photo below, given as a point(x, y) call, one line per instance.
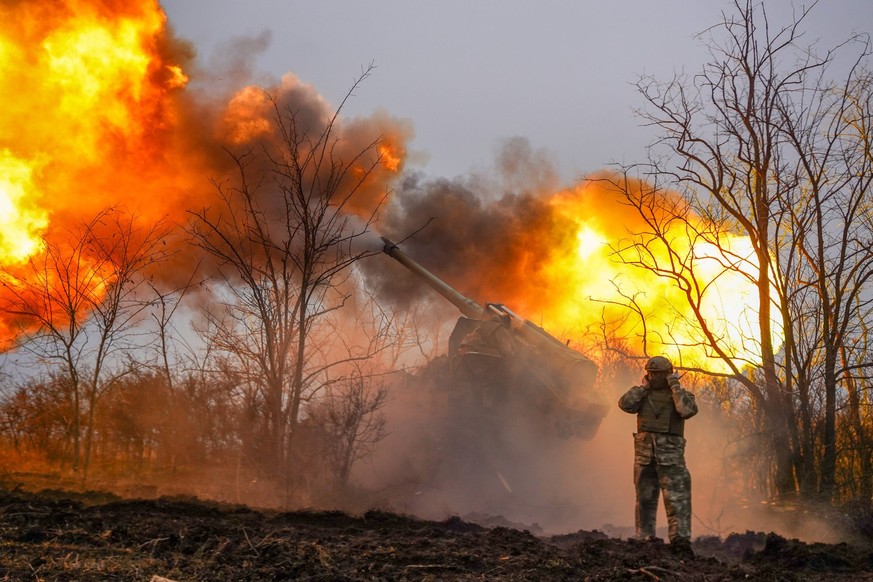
point(666, 445)
point(683, 401)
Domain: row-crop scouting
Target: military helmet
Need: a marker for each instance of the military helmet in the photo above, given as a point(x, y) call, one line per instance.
point(659, 364)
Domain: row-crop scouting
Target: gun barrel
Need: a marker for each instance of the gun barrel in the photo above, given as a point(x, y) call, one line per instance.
point(465, 305)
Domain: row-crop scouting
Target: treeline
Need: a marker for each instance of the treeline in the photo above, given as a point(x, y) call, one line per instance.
point(141, 424)
point(202, 432)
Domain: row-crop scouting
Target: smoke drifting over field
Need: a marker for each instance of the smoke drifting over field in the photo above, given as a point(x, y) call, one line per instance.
point(429, 467)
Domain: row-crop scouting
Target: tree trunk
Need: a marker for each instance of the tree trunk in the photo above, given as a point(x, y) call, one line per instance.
point(777, 423)
point(805, 468)
point(829, 453)
point(864, 487)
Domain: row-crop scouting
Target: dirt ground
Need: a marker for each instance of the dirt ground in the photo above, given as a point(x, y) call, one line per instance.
point(53, 535)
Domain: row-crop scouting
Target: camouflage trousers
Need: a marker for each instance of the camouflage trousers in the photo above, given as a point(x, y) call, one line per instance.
point(674, 481)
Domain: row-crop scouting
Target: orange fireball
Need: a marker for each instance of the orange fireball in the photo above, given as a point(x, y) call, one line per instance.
point(89, 122)
point(604, 286)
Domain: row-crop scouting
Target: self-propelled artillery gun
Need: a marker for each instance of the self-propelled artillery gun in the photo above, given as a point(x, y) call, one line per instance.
point(501, 366)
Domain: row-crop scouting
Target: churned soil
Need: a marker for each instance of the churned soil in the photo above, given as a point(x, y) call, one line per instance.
point(55, 535)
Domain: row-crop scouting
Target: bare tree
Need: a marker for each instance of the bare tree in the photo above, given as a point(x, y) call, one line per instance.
point(166, 304)
point(760, 144)
point(349, 415)
point(828, 129)
point(284, 241)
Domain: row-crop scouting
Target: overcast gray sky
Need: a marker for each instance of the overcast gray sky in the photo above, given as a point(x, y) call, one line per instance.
point(469, 73)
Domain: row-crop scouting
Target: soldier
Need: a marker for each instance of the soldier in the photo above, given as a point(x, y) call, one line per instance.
point(661, 406)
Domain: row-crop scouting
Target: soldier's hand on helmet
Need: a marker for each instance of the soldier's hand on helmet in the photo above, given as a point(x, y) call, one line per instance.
point(673, 381)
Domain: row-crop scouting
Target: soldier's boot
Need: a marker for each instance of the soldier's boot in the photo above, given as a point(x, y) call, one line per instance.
point(681, 548)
